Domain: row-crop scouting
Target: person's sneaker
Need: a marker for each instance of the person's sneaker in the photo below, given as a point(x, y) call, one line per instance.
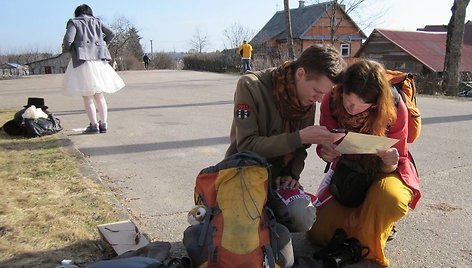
point(91, 129)
point(102, 127)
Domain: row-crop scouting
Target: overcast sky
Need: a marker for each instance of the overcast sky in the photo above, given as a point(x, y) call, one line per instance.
point(34, 25)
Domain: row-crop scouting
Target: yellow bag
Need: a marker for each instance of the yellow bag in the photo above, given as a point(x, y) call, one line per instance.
point(237, 229)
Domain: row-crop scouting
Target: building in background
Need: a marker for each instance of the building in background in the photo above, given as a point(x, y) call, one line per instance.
point(311, 24)
point(13, 69)
point(53, 65)
point(420, 52)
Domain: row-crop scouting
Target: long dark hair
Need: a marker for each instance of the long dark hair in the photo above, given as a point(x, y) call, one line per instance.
point(83, 10)
point(367, 79)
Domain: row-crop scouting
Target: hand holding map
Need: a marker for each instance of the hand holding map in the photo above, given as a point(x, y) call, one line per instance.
point(356, 143)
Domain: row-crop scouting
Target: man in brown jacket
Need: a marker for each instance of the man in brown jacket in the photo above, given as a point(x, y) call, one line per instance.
point(274, 114)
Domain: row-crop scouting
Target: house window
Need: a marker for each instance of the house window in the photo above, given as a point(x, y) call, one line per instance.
point(345, 50)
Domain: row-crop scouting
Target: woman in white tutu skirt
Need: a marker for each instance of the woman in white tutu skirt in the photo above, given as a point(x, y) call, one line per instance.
point(88, 74)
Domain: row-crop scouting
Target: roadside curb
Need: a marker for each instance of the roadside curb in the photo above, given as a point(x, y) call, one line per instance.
point(87, 170)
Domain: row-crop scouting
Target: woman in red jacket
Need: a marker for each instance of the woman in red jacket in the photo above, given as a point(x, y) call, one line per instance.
point(364, 103)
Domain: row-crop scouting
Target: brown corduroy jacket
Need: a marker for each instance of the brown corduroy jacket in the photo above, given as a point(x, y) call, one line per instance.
point(257, 125)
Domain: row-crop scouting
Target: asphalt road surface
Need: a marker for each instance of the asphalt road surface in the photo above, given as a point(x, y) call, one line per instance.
point(165, 126)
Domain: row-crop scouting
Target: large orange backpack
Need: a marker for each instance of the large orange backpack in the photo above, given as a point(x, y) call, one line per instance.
point(404, 83)
point(237, 229)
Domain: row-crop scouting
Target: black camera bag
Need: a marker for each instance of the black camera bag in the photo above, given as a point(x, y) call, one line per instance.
point(349, 183)
point(341, 250)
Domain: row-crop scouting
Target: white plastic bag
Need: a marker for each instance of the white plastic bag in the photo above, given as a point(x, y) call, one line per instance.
point(34, 113)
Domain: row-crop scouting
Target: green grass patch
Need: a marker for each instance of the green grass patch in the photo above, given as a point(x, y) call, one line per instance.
point(49, 210)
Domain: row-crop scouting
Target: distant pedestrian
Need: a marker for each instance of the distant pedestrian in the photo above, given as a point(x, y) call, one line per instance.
point(146, 61)
point(89, 74)
point(245, 50)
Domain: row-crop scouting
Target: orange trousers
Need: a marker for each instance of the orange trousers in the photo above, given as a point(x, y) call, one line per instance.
point(386, 202)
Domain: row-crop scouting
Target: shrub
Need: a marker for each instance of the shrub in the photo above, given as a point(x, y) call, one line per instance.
point(163, 61)
point(211, 62)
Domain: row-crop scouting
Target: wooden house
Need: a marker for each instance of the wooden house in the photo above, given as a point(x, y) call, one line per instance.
point(420, 52)
point(311, 24)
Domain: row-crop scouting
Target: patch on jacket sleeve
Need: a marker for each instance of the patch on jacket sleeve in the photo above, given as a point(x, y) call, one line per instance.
point(242, 110)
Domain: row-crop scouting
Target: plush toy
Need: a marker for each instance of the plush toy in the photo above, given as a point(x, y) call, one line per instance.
point(196, 214)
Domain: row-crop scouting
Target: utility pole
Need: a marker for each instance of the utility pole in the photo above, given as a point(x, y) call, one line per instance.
point(152, 55)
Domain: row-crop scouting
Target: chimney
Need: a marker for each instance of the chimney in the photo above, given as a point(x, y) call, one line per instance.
point(301, 4)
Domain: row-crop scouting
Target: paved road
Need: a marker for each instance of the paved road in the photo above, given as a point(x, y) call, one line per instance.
point(165, 126)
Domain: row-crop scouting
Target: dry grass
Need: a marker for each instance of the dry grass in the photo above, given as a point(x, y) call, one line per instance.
point(48, 210)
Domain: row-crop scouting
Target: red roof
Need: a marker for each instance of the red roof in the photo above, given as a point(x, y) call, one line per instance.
point(443, 28)
point(429, 48)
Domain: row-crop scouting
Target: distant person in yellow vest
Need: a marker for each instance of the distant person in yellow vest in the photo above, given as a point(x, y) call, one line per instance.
point(245, 50)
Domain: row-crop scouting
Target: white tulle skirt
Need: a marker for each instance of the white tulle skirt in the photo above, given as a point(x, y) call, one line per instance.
point(91, 77)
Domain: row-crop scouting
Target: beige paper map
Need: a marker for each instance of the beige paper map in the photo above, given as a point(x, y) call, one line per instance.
point(356, 143)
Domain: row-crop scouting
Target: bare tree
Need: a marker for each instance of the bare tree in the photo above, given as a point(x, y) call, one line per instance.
point(125, 48)
point(199, 41)
point(288, 27)
point(353, 8)
point(121, 26)
point(235, 34)
point(455, 37)
point(25, 57)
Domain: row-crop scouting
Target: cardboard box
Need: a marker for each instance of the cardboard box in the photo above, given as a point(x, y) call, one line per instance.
point(122, 236)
